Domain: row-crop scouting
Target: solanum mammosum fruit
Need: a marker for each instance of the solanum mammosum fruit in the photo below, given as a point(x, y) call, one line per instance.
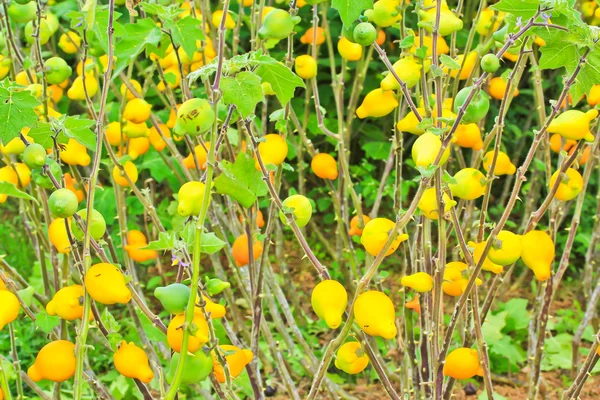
point(305, 66)
point(574, 124)
point(375, 314)
point(196, 339)
point(537, 252)
point(300, 209)
point(57, 233)
point(55, 362)
point(273, 150)
point(194, 117)
point(351, 358)
point(97, 225)
point(503, 164)
point(329, 300)
point(570, 185)
point(384, 13)
point(198, 367)
point(454, 282)
point(407, 69)
point(498, 87)
point(375, 234)
point(448, 23)
point(349, 51)
point(174, 297)
point(237, 359)
point(419, 282)
point(241, 250)
point(506, 248)
point(35, 156)
point(67, 303)
point(428, 204)
point(106, 284)
point(130, 170)
point(426, 148)
point(277, 24)
point(136, 240)
point(477, 108)
point(462, 363)
point(377, 103)
point(190, 198)
point(74, 153)
point(468, 136)
point(355, 228)
point(132, 362)
point(488, 265)
point(62, 203)
point(469, 184)
point(10, 308)
point(324, 166)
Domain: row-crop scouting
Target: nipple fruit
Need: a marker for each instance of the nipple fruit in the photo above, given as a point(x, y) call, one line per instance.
point(375, 234)
point(375, 314)
point(419, 282)
point(462, 363)
point(67, 303)
point(106, 284)
point(538, 253)
point(329, 300)
point(236, 361)
point(55, 362)
point(351, 358)
point(132, 362)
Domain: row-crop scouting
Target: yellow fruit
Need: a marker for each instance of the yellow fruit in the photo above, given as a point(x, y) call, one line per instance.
point(428, 204)
point(349, 51)
point(113, 134)
point(130, 170)
point(196, 339)
point(441, 48)
point(506, 249)
point(467, 67)
point(324, 166)
point(556, 143)
point(384, 13)
point(375, 234)
point(57, 233)
point(201, 156)
point(135, 241)
point(77, 91)
point(128, 94)
point(106, 284)
point(56, 93)
point(498, 86)
point(138, 147)
point(23, 79)
point(377, 103)
point(570, 185)
point(10, 308)
point(470, 184)
point(215, 310)
point(468, 136)
point(75, 153)
point(375, 314)
point(5, 63)
point(273, 150)
point(426, 148)
point(410, 122)
point(574, 124)
point(308, 36)
point(55, 362)
point(407, 69)
point(351, 358)
point(419, 282)
point(454, 281)
point(414, 304)
point(217, 16)
point(132, 362)
point(67, 303)
point(484, 25)
point(305, 66)
point(23, 175)
point(329, 300)
point(241, 250)
point(236, 359)
point(488, 265)
point(190, 198)
point(69, 42)
point(133, 130)
point(449, 22)
point(462, 363)
point(156, 139)
point(355, 230)
point(15, 146)
point(137, 111)
point(503, 164)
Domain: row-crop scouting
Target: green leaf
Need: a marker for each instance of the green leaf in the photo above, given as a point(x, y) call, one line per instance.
point(16, 112)
point(244, 91)
point(519, 8)
point(46, 322)
point(350, 10)
point(27, 295)
point(165, 241)
point(492, 326)
point(209, 242)
point(114, 339)
point(377, 150)
point(185, 33)
point(109, 321)
point(241, 181)
point(9, 189)
point(449, 62)
point(407, 42)
point(79, 129)
point(89, 8)
point(517, 317)
point(283, 81)
point(134, 40)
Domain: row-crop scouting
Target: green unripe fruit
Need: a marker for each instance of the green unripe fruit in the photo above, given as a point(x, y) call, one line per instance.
point(22, 13)
point(198, 367)
point(278, 24)
point(194, 117)
point(365, 34)
point(300, 208)
point(44, 32)
point(348, 31)
point(57, 70)
point(53, 23)
point(22, 2)
point(62, 203)
point(490, 63)
point(477, 108)
point(174, 298)
point(34, 156)
point(97, 225)
point(216, 286)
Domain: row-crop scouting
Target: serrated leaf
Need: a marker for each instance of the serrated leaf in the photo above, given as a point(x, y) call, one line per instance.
point(165, 241)
point(244, 91)
point(8, 189)
point(16, 112)
point(134, 40)
point(350, 10)
point(241, 181)
point(45, 322)
point(283, 81)
point(185, 33)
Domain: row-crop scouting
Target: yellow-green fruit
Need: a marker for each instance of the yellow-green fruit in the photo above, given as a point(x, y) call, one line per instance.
point(407, 69)
point(351, 358)
point(574, 124)
point(329, 300)
point(506, 249)
point(426, 148)
point(190, 197)
point(570, 185)
point(194, 117)
point(375, 234)
point(375, 314)
point(300, 207)
point(469, 184)
point(377, 103)
point(428, 204)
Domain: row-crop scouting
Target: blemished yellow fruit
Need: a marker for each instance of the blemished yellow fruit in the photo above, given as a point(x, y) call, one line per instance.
point(375, 314)
point(55, 362)
point(506, 249)
point(349, 51)
point(375, 234)
point(462, 363)
point(503, 164)
point(10, 308)
point(105, 283)
point(488, 265)
point(329, 300)
point(132, 362)
point(470, 184)
point(377, 103)
point(305, 66)
point(236, 359)
point(420, 282)
point(351, 358)
point(570, 185)
point(130, 170)
point(428, 204)
point(324, 166)
point(67, 303)
point(137, 111)
point(537, 252)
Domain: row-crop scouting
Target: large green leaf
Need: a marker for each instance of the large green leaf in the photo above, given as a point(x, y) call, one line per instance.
point(241, 181)
point(283, 81)
point(16, 112)
point(185, 33)
point(350, 10)
point(9, 189)
point(134, 40)
point(244, 91)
